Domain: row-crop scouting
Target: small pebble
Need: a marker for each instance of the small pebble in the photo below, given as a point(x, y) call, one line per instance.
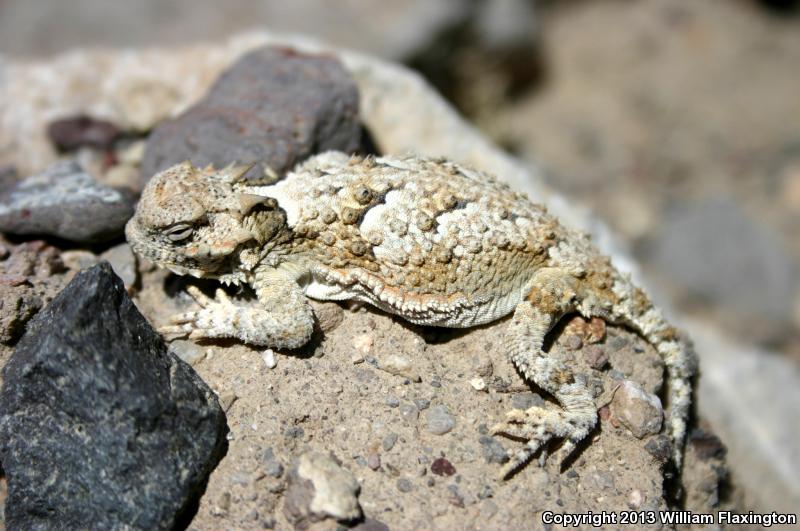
point(363, 343)
point(389, 441)
point(526, 401)
point(294, 432)
point(374, 461)
point(595, 356)
point(400, 366)
point(269, 358)
point(392, 401)
point(439, 420)
point(479, 384)
point(409, 412)
point(70, 133)
point(422, 403)
point(635, 499)
point(404, 485)
point(641, 412)
point(442, 467)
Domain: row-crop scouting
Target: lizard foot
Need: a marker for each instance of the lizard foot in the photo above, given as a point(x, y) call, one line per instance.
point(215, 318)
point(538, 426)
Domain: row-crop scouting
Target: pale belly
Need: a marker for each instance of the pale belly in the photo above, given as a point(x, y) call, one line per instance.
point(430, 311)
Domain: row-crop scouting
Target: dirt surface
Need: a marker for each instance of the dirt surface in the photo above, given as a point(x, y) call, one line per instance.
point(332, 396)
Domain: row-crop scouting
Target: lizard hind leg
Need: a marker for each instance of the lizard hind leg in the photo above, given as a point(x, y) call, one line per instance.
point(550, 298)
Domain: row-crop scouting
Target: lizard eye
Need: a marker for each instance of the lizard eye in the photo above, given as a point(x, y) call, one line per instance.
point(179, 232)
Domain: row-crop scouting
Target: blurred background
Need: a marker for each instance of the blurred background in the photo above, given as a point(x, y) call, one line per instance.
point(677, 121)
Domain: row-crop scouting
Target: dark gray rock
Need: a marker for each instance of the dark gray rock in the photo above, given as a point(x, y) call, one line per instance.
point(66, 202)
point(72, 132)
point(275, 107)
point(99, 425)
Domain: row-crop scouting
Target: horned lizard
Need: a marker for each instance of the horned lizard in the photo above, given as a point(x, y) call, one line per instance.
point(429, 240)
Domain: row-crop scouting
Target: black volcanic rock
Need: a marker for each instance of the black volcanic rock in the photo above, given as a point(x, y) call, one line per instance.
point(100, 426)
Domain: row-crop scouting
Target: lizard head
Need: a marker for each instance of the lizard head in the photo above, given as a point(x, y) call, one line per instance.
point(202, 222)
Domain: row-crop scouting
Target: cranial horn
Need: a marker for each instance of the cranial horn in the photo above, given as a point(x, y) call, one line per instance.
point(248, 201)
point(234, 173)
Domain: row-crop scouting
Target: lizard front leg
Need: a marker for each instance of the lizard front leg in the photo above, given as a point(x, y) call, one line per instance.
point(284, 318)
point(551, 294)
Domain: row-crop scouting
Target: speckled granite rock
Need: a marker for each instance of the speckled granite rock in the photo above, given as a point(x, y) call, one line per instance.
point(99, 425)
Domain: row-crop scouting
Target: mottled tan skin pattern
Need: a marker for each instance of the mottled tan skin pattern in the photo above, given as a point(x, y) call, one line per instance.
point(429, 240)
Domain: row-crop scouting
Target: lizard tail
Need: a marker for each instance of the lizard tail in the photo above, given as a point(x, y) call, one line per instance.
point(633, 308)
point(681, 364)
point(680, 360)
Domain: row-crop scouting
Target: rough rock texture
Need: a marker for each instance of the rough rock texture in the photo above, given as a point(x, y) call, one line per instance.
point(31, 273)
point(274, 107)
point(320, 488)
point(66, 202)
point(98, 423)
point(637, 409)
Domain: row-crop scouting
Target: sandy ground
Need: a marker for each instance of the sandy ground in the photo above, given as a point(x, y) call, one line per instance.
point(333, 397)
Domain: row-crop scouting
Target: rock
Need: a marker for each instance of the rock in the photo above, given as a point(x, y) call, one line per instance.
point(526, 401)
point(123, 262)
point(30, 278)
point(66, 202)
point(439, 420)
point(269, 358)
point(329, 315)
point(479, 384)
point(374, 461)
point(492, 450)
point(69, 134)
point(370, 524)
point(404, 485)
point(274, 106)
point(189, 351)
point(595, 356)
point(320, 488)
point(389, 441)
point(399, 365)
point(17, 307)
point(638, 410)
point(98, 422)
point(442, 467)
